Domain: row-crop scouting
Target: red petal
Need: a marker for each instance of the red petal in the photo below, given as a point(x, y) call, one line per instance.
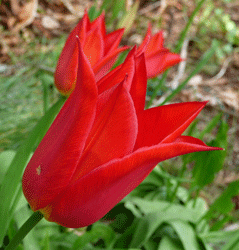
point(92, 196)
point(146, 40)
point(171, 60)
point(56, 158)
point(94, 46)
point(103, 66)
point(165, 123)
point(155, 43)
point(160, 61)
point(139, 84)
point(112, 40)
point(87, 20)
point(114, 131)
point(118, 74)
point(100, 23)
point(155, 63)
point(66, 70)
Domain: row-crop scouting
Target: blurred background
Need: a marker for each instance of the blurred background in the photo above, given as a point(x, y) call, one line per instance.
point(190, 202)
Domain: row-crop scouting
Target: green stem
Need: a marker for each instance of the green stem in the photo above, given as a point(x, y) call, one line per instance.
point(24, 230)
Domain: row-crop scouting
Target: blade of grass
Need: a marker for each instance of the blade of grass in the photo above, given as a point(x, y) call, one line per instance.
point(232, 243)
point(200, 65)
point(10, 185)
point(186, 29)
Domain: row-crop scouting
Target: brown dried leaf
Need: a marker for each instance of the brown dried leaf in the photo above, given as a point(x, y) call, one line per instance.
point(26, 15)
point(15, 7)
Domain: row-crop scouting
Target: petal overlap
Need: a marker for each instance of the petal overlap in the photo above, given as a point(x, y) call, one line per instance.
point(157, 57)
point(166, 123)
point(100, 48)
point(55, 159)
point(114, 181)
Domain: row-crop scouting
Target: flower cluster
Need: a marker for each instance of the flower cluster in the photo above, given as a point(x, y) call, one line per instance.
point(103, 143)
point(102, 49)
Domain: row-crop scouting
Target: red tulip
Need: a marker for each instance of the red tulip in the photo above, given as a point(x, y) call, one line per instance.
point(100, 48)
point(158, 58)
point(103, 144)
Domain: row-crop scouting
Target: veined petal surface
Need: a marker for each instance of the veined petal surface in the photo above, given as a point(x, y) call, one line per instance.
point(113, 133)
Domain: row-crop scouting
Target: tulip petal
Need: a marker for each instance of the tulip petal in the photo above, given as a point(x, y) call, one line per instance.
point(94, 46)
point(139, 84)
point(112, 40)
point(55, 160)
point(165, 123)
point(171, 60)
point(103, 66)
point(100, 23)
point(66, 69)
point(114, 131)
point(119, 73)
point(146, 40)
point(160, 61)
point(84, 202)
point(155, 43)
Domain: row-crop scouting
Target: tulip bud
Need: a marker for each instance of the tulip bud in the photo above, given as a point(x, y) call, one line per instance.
point(158, 58)
point(100, 48)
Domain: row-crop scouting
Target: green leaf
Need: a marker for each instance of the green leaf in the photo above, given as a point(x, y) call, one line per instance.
point(145, 228)
point(98, 231)
point(168, 244)
point(124, 239)
point(10, 185)
point(93, 13)
point(166, 209)
point(6, 158)
point(186, 233)
point(233, 243)
point(155, 177)
point(200, 206)
point(223, 204)
point(216, 237)
point(157, 213)
point(210, 126)
point(209, 163)
point(118, 8)
point(127, 20)
point(105, 5)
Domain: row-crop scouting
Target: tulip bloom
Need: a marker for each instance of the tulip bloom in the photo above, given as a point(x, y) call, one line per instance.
point(103, 144)
point(157, 57)
point(100, 48)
